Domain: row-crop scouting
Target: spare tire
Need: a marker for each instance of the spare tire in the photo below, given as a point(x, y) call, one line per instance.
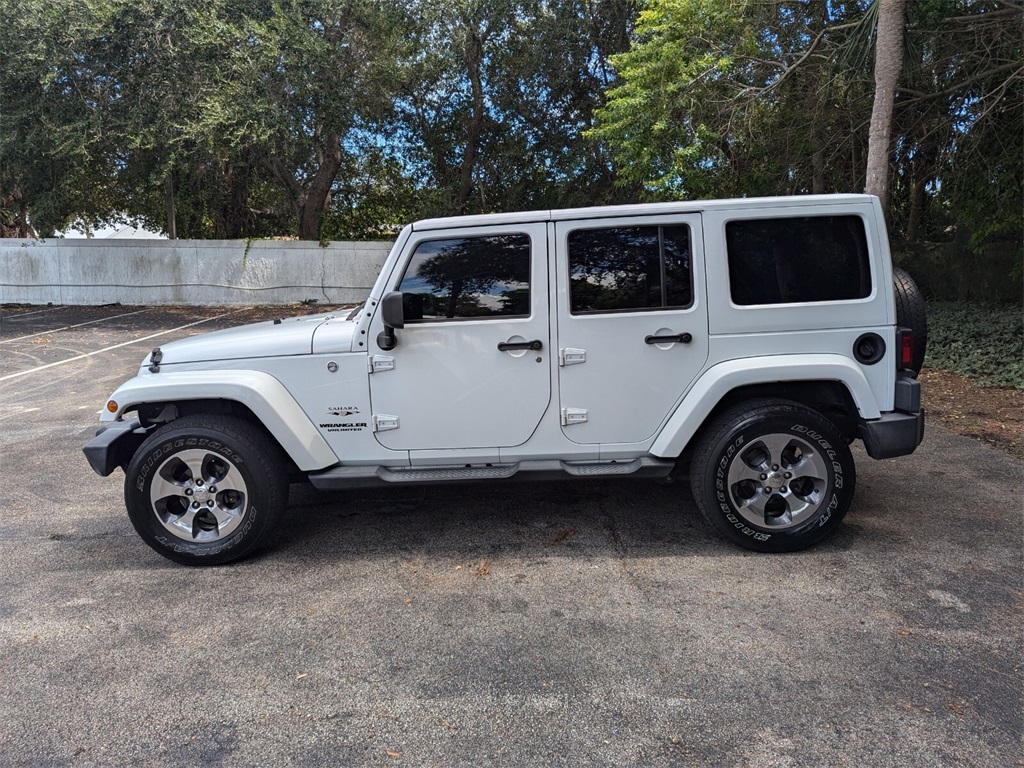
point(912, 313)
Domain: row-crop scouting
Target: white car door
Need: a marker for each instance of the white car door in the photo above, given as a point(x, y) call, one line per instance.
point(471, 368)
point(632, 323)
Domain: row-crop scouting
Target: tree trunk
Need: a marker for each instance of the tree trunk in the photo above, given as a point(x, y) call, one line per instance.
point(312, 207)
point(237, 220)
point(473, 56)
point(24, 230)
point(888, 64)
point(172, 224)
point(818, 170)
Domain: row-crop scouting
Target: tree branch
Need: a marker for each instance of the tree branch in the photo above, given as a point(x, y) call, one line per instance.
point(919, 96)
point(986, 16)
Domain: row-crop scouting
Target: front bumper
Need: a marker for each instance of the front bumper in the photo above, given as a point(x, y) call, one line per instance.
point(114, 446)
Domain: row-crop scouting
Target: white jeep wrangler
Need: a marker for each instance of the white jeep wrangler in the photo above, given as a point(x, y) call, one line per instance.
point(748, 342)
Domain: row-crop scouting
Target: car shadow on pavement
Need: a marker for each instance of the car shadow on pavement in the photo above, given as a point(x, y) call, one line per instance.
point(468, 522)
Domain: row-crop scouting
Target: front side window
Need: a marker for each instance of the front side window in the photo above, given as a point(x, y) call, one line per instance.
point(468, 277)
point(629, 269)
point(801, 259)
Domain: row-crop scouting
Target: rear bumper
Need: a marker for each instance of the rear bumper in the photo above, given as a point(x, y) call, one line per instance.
point(114, 446)
point(895, 434)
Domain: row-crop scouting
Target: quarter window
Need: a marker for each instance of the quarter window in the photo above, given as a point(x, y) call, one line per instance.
point(797, 260)
point(468, 277)
point(626, 269)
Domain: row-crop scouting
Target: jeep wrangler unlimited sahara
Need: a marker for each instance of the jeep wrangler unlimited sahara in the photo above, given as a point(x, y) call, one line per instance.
point(750, 340)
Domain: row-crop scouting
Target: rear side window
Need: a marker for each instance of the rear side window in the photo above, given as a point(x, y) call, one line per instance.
point(797, 260)
point(626, 269)
point(468, 277)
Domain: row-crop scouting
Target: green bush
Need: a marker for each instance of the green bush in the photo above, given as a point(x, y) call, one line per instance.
point(982, 341)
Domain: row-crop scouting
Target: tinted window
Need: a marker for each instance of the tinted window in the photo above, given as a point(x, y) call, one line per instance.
point(468, 277)
point(629, 268)
point(780, 261)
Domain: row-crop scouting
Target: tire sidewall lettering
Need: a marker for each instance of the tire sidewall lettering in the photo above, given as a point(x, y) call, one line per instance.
point(215, 548)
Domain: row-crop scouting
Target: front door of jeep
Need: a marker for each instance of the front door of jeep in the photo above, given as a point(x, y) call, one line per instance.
point(632, 323)
point(470, 369)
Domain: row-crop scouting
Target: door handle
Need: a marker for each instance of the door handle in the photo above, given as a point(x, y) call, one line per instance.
point(682, 338)
point(505, 346)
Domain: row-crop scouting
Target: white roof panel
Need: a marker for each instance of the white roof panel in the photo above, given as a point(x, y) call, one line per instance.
point(641, 209)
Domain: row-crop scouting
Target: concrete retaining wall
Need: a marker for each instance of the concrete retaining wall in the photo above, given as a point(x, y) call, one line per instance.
point(186, 271)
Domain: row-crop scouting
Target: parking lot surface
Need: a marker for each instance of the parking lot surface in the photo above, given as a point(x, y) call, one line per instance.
point(575, 624)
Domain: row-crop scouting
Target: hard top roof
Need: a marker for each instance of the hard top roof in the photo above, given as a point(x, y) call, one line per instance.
point(642, 209)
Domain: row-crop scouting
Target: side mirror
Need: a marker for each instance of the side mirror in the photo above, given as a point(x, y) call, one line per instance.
point(393, 315)
point(392, 310)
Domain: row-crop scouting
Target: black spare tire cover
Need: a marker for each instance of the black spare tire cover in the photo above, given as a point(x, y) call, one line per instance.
point(912, 313)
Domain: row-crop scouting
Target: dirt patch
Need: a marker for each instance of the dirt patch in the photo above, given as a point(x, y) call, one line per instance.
point(993, 415)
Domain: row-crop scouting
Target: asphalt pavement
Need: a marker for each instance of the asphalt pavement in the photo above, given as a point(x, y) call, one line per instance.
point(566, 624)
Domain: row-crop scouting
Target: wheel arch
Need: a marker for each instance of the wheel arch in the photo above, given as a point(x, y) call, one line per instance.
point(254, 396)
point(830, 384)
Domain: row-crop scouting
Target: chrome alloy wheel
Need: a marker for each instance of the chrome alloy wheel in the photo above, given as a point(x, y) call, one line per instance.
point(198, 495)
point(777, 481)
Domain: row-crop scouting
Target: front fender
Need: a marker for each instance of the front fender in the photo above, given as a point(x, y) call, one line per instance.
point(718, 380)
point(260, 392)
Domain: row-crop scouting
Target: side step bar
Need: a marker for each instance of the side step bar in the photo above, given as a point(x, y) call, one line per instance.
point(364, 477)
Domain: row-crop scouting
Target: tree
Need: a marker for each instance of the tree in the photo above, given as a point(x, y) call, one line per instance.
point(295, 88)
point(52, 155)
point(496, 97)
point(182, 112)
point(718, 99)
point(888, 63)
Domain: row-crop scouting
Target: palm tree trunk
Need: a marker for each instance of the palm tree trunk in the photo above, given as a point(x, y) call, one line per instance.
point(888, 65)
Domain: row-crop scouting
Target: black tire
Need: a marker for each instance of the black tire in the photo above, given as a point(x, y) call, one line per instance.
point(757, 506)
point(912, 313)
point(172, 494)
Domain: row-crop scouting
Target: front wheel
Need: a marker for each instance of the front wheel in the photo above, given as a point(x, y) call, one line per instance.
point(206, 490)
point(773, 476)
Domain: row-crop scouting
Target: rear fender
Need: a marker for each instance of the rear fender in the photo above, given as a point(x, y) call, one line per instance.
point(717, 381)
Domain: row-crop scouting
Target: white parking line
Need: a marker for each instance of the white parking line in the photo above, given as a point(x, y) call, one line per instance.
point(36, 312)
point(115, 346)
point(77, 325)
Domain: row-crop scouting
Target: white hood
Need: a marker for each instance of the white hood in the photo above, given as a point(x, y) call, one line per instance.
point(277, 338)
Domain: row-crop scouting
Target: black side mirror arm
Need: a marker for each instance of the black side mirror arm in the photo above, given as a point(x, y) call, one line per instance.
point(386, 339)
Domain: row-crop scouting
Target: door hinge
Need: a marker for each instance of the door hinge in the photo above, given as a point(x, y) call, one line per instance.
point(572, 416)
point(383, 423)
point(379, 363)
point(571, 356)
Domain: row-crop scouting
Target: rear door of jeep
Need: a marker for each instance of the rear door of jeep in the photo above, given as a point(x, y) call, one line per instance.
point(632, 323)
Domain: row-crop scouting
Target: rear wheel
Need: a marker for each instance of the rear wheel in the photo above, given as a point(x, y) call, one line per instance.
point(206, 490)
point(773, 476)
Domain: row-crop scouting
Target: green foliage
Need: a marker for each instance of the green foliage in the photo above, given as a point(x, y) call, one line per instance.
point(718, 99)
point(982, 341)
point(495, 98)
point(749, 98)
